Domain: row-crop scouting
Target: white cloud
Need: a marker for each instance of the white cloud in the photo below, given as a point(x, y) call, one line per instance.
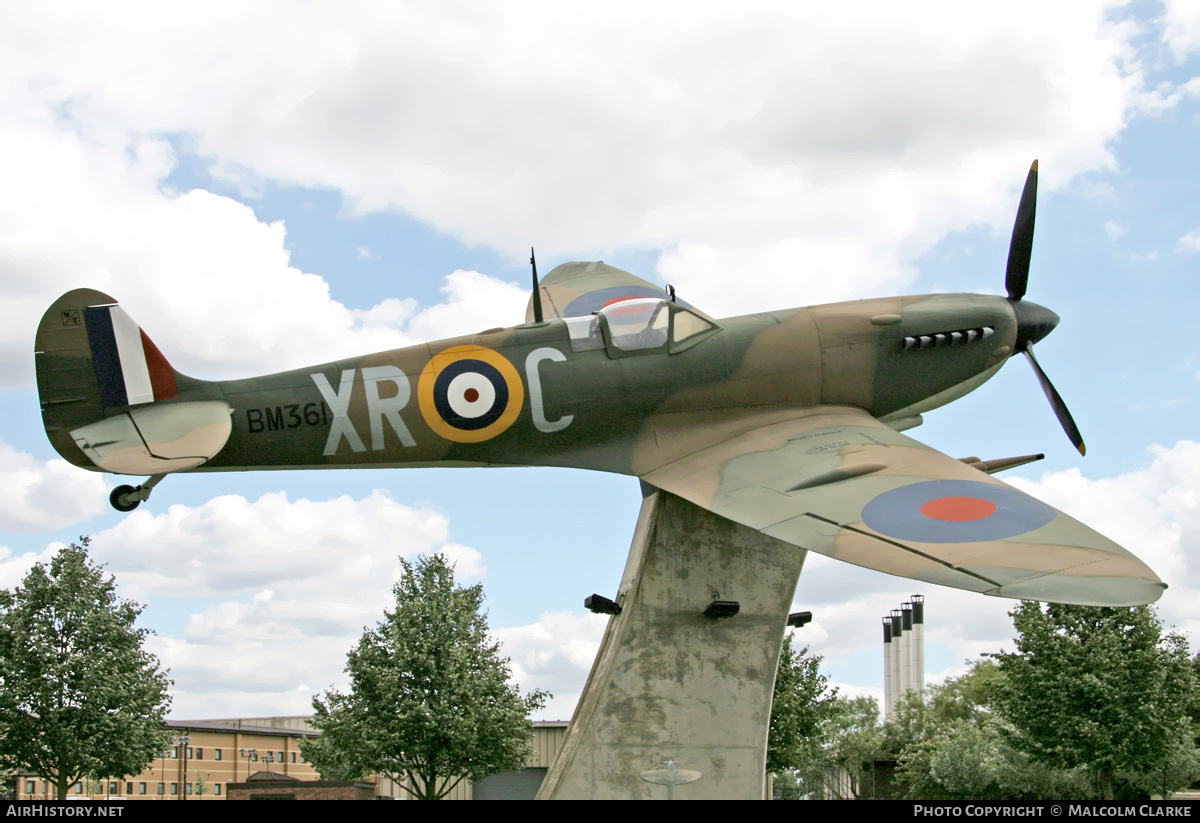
point(46, 494)
point(467, 562)
point(849, 602)
point(554, 654)
point(1189, 242)
point(1114, 230)
point(333, 548)
point(1154, 512)
point(473, 302)
point(252, 678)
point(1182, 27)
point(210, 283)
point(14, 567)
point(295, 582)
point(780, 152)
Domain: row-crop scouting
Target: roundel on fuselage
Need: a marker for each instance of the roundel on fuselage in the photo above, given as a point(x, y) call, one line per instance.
point(469, 394)
point(594, 301)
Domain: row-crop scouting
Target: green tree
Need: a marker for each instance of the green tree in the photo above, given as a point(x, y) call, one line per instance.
point(79, 696)
point(951, 744)
point(430, 703)
point(1098, 688)
point(817, 738)
point(851, 737)
point(799, 708)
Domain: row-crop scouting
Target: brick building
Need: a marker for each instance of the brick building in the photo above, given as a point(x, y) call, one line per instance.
point(273, 786)
point(209, 757)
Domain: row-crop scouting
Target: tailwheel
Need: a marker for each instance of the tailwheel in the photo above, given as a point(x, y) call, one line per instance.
point(123, 498)
point(127, 498)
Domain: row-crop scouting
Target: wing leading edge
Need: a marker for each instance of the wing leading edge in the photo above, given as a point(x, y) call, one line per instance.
point(837, 481)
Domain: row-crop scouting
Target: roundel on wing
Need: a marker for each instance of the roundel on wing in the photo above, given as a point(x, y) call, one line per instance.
point(469, 394)
point(955, 511)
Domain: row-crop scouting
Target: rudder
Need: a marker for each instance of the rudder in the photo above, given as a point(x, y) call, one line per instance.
point(101, 381)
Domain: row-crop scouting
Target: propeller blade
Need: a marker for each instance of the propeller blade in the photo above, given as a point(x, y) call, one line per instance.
point(1056, 402)
point(1017, 276)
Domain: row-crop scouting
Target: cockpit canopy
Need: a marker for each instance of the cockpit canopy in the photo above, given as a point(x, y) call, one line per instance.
point(638, 325)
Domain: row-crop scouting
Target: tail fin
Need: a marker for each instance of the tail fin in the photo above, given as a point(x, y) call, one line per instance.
point(100, 379)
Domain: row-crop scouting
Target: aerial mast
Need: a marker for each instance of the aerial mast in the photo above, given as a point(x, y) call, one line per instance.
point(537, 291)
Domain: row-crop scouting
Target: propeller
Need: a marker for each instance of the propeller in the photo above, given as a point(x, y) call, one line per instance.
point(1033, 321)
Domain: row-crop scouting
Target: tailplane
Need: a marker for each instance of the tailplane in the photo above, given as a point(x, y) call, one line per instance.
point(110, 400)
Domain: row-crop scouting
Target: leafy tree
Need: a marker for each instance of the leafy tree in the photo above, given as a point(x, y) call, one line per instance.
point(430, 703)
point(1097, 688)
point(951, 744)
point(1178, 767)
point(851, 738)
point(821, 739)
point(799, 708)
point(79, 696)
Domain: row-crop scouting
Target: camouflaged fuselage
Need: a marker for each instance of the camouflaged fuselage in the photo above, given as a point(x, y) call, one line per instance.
point(625, 414)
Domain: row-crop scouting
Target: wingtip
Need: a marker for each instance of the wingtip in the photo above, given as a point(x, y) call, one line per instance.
point(1034, 166)
point(1082, 450)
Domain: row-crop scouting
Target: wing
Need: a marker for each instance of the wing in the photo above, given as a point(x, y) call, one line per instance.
point(578, 289)
point(838, 482)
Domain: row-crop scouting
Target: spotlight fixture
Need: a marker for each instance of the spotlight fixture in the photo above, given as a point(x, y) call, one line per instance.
point(798, 619)
point(599, 604)
point(719, 609)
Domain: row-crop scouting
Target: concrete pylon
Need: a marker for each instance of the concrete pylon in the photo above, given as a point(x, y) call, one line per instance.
point(670, 684)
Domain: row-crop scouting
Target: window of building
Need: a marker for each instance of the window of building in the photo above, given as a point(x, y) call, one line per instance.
point(293, 757)
point(282, 757)
point(200, 753)
point(30, 787)
point(79, 787)
point(216, 754)
point(217, 789)
point(187, 788)
point(162, 788)
point(114, 788)
point(129, 788)
point(189, 752)
point(141, 788)
point(174, 789)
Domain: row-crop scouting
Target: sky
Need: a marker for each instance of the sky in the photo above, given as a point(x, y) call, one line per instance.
point(266, 186)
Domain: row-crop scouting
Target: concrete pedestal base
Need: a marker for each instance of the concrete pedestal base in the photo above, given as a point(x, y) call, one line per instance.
point(671, 684)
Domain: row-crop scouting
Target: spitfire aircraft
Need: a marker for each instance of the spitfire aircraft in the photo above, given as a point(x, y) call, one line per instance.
point(788, 422)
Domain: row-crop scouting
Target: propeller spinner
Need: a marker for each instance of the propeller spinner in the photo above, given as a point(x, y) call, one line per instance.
point(1033, 321)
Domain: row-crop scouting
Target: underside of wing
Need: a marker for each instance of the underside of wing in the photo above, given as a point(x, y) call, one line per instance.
point(579, 289)
point(837, 481)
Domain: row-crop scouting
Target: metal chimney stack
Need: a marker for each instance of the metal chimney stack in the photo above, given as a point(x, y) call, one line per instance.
point(903, 653)
point(897, 656)
point(889, 688)
point(918, 617)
